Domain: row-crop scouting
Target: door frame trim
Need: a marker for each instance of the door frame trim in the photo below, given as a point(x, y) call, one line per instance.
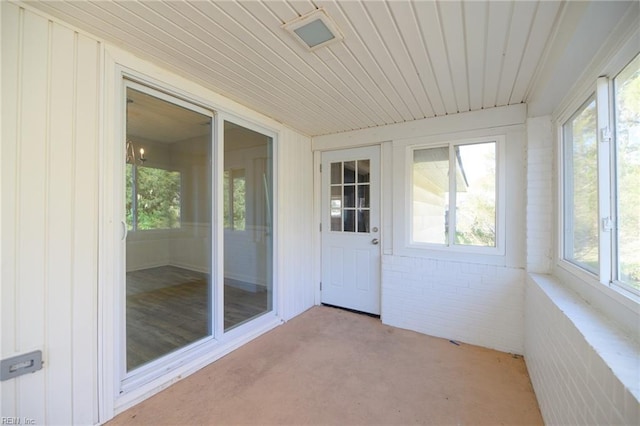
point(385, 224)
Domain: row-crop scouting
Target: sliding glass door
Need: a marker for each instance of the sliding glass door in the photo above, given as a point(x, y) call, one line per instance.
point(198, 218)
point(248, 224)
point(168, 300)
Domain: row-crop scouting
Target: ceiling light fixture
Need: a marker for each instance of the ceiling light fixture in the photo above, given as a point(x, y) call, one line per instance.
point(314, 30)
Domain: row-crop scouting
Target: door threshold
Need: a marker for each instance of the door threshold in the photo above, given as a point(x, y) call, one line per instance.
point(355, 311)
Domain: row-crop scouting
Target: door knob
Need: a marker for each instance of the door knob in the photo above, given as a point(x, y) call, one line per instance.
point(375, 241)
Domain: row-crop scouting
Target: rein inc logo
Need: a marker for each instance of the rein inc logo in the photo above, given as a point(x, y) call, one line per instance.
point(17, 421)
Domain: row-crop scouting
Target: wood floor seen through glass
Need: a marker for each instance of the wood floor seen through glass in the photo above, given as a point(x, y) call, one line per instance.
point(167, 308)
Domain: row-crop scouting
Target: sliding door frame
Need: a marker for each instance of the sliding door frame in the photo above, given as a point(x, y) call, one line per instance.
point(116, 393)
point(274, 314)
point(155, 368)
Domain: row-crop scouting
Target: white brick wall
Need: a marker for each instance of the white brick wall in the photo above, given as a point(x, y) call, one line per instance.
point(539, 194)
point(583, 369)
point(473, 303)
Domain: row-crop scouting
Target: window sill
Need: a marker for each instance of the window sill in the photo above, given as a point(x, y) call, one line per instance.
point(491, 257)
point(617, 348)
point(588, 286)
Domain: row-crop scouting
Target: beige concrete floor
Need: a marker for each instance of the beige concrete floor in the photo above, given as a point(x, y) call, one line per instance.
point(329, 366)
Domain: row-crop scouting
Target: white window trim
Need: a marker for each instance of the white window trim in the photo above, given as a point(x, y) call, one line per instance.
point(602, 87)
point(403, 243)
point(562, 188)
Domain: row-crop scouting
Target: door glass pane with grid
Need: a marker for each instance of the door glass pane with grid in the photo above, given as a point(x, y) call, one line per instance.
point(350, 196)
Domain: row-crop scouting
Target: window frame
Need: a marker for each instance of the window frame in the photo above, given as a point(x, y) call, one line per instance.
point(458, 249)
point(615, 173)
point(603, 90)
point(566, 173)
point(134, 201)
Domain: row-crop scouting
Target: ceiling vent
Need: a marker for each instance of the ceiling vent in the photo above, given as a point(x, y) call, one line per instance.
point(314, 30)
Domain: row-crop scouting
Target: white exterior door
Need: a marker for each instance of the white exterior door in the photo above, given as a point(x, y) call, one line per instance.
point(351, 229)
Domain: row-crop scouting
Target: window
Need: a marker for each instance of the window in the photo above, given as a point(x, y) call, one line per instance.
point(454, 195)
point(627, 160)
point(153, 198)
point(601, 176)
point(234, 200)
point(350, 204)
point(581, 188)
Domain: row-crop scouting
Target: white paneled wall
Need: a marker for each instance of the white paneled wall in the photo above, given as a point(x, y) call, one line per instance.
point(52, 113)
point(50, 129)
point(295, 227)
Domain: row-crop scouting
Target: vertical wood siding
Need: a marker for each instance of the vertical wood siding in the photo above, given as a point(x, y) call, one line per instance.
point(50, 133)
point(295, 211)
point(51, 126)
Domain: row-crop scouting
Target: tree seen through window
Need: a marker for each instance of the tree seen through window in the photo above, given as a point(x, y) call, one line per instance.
point(153, 198)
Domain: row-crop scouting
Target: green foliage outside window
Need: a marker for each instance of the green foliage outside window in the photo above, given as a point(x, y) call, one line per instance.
point(627, 98)
point(234, 200)
point(582, 245)
point(476, 204)
point(157, 198)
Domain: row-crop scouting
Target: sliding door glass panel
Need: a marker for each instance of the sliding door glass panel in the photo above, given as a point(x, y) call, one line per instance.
point(248, 242)
point(168, 215)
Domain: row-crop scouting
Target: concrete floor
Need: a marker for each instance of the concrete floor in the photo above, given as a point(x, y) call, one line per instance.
point(329, 366)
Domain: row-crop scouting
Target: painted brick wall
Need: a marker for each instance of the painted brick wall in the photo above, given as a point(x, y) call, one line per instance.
point(473, 303)
point(564, 342)
point(539, 194)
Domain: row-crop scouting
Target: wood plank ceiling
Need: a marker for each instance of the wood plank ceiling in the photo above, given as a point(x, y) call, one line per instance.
point(399, 60)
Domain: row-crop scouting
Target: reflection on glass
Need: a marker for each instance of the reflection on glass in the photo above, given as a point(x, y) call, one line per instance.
point(349, 172)
point(349, 196)
point(430, 195)
point(336, 208)
point(363, 220)
point(336, 173)
point(363, 171)
point(627, 100)
point(349, 221)
point(363, 196)
point(248, 285)
point(168, 213)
